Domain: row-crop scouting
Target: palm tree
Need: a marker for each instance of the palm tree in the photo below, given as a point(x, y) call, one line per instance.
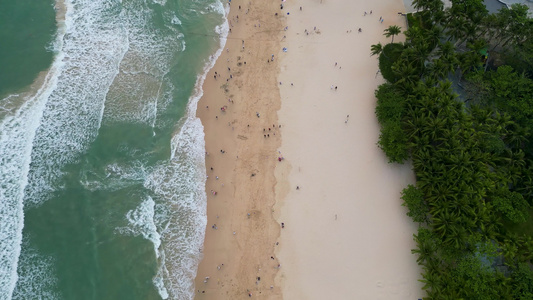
point(407, 73)
point(392, 31)
point(376, 49)
point(426, 247)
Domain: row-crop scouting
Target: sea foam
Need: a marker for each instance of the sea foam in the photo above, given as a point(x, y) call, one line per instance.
point(17, 132)
point(180, 184)
point(37, 278)
point(94, 44)
point(55, 125)
point(140, 83)
point(97, 47)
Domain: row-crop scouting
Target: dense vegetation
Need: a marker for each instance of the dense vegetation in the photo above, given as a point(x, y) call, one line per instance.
point(465, 123)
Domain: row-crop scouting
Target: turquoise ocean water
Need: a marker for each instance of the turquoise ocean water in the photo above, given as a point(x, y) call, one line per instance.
point(102, 172)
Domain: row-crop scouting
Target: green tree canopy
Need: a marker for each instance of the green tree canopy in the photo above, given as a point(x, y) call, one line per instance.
point(413, 199)
point(392, 31)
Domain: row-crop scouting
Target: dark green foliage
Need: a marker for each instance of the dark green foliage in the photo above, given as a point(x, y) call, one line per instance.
point(492, 143)
point(473, 161)
point(414, 200)
point(393, 142)
point(376, 49)
point(390, 105)
point(513, 93)
point(512, 205)
point(474, 278)
point(521, 58)
point(389, 55)
point(522, 284)
point(477, 88)
point(413, 20)
point(392, 31)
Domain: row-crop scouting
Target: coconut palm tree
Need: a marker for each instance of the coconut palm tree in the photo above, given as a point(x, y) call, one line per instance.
point(425, 246)
point(376, 49)
point(408, 74)
point(392, 31)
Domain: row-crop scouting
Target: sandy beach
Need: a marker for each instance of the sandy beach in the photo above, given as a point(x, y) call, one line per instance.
point(292, 141)
point(238, 110)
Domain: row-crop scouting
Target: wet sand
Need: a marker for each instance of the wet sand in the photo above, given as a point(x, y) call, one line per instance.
point(238, 111)
point(345, 235)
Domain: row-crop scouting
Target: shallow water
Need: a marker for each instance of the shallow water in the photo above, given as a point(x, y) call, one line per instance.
point(103, 169)
point(23, 55)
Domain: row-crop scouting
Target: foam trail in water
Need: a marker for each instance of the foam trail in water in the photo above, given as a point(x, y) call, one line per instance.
point(36, 279)
point(115, 176)
point(135, 92)
point(17, 132)
point(93, 46)
point(141, 221)
point(179, 187)
point(16, 136)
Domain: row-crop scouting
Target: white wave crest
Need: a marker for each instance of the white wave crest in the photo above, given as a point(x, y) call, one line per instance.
point(140, 84)
point(181, 185)
point(141, 222)
point(93, 46)
point(17, 133)
point(37, 278)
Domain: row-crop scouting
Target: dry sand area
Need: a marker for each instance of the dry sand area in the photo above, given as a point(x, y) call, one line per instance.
point(345, 235)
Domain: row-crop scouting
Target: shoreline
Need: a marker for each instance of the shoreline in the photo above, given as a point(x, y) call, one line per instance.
point(235, 109)
point(15, 100)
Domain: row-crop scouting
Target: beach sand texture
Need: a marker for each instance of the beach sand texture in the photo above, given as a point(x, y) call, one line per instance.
point(345, 235)
point(242, 143)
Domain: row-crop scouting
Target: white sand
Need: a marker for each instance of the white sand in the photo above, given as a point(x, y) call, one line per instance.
point(346, 234)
